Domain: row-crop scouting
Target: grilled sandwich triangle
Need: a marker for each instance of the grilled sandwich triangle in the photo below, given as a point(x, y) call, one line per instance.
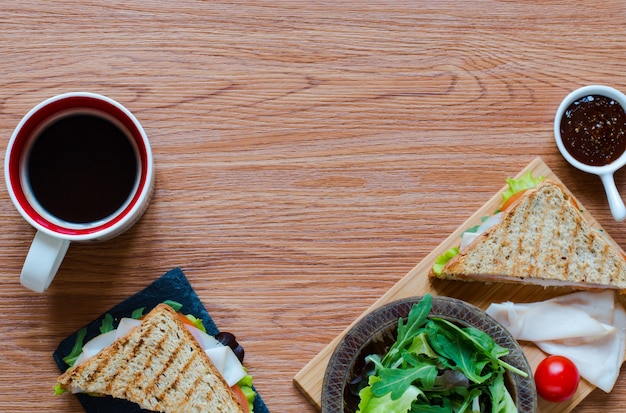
point(542, 239)
point(158, 365)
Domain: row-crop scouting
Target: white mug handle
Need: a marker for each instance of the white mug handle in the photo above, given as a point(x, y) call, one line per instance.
point(43, 261)
point(615, 200)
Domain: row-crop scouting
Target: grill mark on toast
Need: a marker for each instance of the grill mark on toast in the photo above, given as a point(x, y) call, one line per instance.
point(193, 388)
point(565, 268)
point(565, 250)
point(150, 388)
point(590, 245)
point(605, 258)
point(521, 240)
point(570, 251)
point(192, 356)
point(138, 374)
point(165, 348)
point(99, 371)
point(109, 384)
point(536, 253)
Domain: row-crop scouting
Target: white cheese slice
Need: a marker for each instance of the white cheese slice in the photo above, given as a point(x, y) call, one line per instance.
point(468, 237)
point(218, 357)
point(126, 324)
point(93, 346)
point(589, 328)
point(548, 321)
point(222, 356)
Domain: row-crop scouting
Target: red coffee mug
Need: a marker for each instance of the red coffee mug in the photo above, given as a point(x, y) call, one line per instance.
point(78, 167)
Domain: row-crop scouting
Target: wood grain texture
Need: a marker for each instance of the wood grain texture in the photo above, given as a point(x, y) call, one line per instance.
point(308, 155)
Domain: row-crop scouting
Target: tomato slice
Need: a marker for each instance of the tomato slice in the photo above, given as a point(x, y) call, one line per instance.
point(185, 320)
point(241, 398)
point(512, 199)
point(556, 378)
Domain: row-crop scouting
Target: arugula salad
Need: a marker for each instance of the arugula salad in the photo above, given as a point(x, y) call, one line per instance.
point(436, 366)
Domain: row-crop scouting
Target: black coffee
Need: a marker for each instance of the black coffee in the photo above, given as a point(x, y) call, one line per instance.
point(82, 168)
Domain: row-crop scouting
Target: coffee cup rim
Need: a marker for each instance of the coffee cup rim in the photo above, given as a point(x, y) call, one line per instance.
point(22, 134)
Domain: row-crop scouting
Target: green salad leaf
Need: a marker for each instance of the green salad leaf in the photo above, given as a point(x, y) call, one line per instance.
point(398, 380)
point(245, 384)
point(437, 366)
point(137, 313)
point(378, 404)
point(174, 304)
point(197, 322)
point(420, 346)
point(70, 359)
point(457, 353)
point(443, 259)
point(107, 324)
point(522, 183)
point(501, 399)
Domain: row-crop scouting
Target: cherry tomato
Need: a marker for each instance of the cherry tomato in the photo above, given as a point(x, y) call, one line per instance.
point(556, 378)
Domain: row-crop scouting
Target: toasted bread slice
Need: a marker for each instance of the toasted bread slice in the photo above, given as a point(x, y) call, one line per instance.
point(542, 239)
point(158, 365)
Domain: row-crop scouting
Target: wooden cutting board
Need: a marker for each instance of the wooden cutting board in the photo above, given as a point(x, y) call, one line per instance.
point(416, 282)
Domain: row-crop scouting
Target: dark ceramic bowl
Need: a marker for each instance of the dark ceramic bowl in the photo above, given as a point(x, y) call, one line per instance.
point(376, 332)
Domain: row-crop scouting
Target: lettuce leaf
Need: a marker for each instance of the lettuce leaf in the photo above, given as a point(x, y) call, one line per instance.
point(245, 384)
point(174, 304)
point(385, 404)
point(443, 259)
point(58, 390)
point(197, 322)
point(526, 181)
point(137, 313)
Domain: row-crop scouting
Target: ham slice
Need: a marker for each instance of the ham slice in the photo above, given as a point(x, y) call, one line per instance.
point(589, 328)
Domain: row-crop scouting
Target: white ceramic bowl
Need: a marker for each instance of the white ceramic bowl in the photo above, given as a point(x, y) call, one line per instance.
point(605, 172)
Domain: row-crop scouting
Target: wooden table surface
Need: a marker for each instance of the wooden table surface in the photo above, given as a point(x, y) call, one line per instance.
point(308, 154)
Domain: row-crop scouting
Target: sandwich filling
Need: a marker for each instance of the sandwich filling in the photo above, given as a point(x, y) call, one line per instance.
point(541, 237)
point(516, 188)
point(114, 343)
point(223, 357)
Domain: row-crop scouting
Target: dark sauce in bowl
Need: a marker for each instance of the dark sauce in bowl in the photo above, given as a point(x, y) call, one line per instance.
point(593, 130)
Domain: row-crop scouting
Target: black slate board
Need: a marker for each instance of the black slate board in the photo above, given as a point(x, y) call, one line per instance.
point(173, 285)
